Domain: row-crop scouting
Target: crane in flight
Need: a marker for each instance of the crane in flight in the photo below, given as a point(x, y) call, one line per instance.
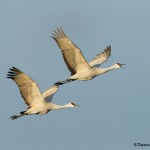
point(37, 103)
point(80, 69)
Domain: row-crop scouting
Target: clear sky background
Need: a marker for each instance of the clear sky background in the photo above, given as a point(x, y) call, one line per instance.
point(114, 108)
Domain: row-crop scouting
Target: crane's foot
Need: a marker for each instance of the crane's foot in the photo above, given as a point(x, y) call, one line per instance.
point(13, 117)
point(18, 116)
point(58, 83)
point(63, 82)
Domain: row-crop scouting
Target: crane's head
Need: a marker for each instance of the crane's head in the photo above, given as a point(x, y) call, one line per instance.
point(73, 105)
point(118, 65)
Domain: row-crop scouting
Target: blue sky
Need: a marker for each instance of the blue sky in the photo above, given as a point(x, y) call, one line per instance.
point(114, 108)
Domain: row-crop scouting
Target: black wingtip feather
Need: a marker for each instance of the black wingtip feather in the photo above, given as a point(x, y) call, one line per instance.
point(10, 72)
point(13, 72)
point(58, 33)
point(9, 77)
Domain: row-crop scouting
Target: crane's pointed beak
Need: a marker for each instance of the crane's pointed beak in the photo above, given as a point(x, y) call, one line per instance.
point(123, 66)
point(77, 105)
point(120, 64)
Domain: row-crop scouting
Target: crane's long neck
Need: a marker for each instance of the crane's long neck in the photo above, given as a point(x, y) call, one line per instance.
point(55, 106)
point(104, 70)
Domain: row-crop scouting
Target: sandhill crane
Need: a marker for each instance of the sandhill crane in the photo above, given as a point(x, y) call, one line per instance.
point(80, 69)
point(37, 103)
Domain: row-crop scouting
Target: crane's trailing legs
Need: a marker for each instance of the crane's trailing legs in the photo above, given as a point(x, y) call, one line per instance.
point(65, 81)
point(18, 116)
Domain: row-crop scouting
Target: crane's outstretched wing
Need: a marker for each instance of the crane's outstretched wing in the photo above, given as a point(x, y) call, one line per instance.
point(28, 87)
point(101, 58)
point(72, 55)
point(49, 93)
